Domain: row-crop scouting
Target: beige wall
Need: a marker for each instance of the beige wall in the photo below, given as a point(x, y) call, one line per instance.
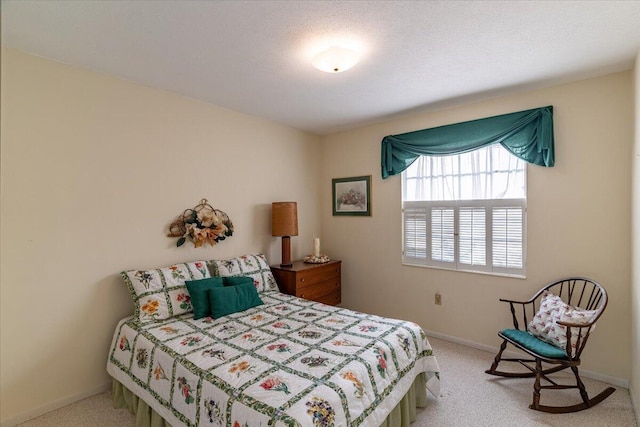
point(93, 171)
point(635, 290)
point(578, 221)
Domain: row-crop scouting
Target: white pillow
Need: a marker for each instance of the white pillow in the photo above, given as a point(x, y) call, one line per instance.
point(544, 319)
point(558, 333)
point(161, 294)
point(552, 310)
point(254, 266)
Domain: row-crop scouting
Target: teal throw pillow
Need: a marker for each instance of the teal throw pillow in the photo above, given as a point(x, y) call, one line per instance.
point(199, 292)
point(232, 299)
point(237, 280)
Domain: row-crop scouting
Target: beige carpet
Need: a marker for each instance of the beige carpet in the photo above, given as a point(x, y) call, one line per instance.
point(469, 398)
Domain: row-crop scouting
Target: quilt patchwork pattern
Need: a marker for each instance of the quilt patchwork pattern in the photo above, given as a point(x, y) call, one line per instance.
point(290, 362)
point(254, 266)
point(161, 294)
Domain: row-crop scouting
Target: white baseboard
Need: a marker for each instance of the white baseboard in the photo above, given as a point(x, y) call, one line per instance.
point(620, 382)
point(57, 404)
point(635, 404)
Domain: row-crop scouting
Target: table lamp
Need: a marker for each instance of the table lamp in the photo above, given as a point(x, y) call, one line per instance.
point(284, 222)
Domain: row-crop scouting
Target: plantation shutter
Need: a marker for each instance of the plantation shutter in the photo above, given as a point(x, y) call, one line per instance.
point(473, 236)
point(508, 232)
point(484, 236)
point(443, 235)
point(415, 234)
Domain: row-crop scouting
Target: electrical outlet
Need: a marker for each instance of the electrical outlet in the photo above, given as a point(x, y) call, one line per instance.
point(438, 300)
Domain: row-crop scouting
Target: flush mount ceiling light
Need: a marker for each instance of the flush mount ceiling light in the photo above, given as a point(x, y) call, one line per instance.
point(336, 59)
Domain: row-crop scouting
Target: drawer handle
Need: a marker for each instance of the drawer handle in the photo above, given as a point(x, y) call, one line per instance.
point(302, 280)
point(302, 296)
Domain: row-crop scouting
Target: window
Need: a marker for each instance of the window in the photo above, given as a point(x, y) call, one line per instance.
point(466, 212)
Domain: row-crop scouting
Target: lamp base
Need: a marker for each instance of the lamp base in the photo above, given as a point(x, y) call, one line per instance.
point(286, 252)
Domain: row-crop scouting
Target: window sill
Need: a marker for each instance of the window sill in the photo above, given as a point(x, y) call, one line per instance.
point(486, 273)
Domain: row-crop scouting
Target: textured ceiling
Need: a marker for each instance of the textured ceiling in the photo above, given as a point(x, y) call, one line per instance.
point(254, 56)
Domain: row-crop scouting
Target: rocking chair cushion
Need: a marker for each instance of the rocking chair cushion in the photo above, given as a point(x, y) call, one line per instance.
point(528, 341)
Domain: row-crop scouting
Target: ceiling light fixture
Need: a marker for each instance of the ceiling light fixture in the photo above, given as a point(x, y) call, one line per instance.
point(336, 59)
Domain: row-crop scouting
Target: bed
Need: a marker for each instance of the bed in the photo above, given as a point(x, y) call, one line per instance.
point(287, 362)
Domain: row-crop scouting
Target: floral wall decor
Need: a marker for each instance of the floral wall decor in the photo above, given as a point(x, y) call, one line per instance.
point(202, 224)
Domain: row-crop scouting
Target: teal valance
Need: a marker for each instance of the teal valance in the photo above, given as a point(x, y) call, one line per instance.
point(526, 134)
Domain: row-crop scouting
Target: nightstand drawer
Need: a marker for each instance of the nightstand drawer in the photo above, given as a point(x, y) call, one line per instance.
point(311, 277)
point(319, 289)
point(331, 299)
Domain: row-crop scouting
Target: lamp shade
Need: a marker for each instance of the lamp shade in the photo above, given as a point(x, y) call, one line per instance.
point(284, 219)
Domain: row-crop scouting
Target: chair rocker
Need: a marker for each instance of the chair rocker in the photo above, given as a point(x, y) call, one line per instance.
point(578, 292)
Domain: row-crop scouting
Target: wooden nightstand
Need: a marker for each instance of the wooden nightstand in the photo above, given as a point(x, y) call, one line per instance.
point(316, 282)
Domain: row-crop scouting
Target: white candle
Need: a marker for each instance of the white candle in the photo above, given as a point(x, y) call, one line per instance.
point(316, 246)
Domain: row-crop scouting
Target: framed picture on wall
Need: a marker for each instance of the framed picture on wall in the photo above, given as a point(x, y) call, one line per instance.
point(352, 196)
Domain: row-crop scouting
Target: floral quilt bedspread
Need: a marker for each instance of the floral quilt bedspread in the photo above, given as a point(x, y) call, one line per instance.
point(290, 362)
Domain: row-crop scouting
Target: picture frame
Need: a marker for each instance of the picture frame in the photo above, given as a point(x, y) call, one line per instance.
point(351, 196)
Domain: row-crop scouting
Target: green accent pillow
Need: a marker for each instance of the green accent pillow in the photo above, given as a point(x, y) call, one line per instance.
point(199, 292)
point(232, 299)
point(237, 280)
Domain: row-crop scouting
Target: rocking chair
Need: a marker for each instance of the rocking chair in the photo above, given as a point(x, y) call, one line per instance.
point(578, 294)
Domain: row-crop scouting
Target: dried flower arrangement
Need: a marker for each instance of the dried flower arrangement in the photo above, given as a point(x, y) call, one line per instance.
point(202, 224)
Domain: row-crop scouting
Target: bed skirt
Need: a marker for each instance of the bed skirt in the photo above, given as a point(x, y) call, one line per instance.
point(401, 416)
